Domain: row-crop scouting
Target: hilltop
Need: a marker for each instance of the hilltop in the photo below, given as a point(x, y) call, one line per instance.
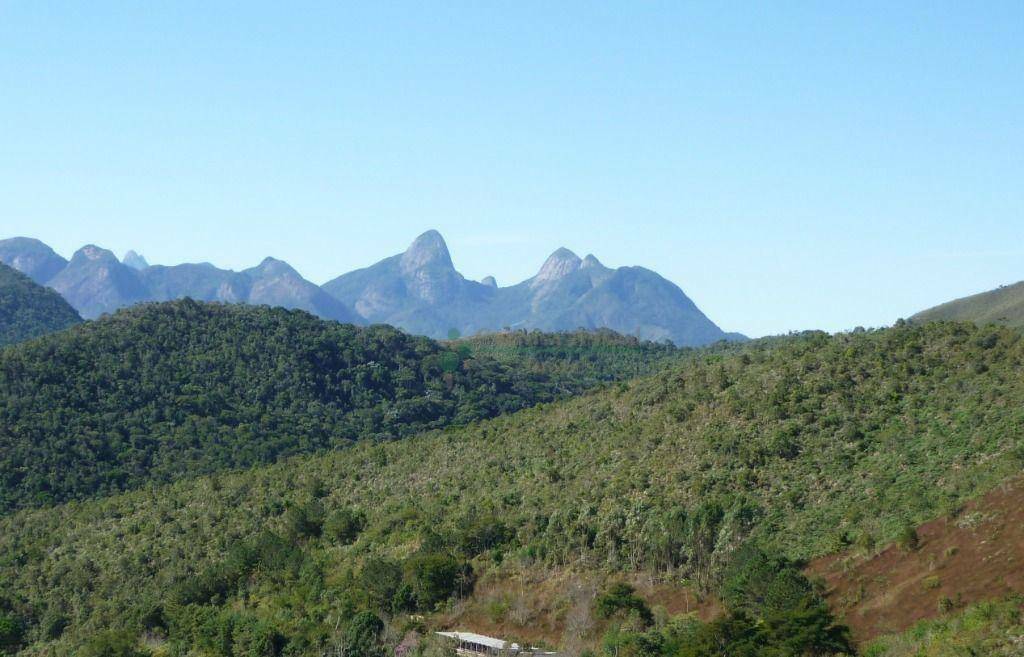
point(1003, 305)
point(161, 391)
point(29, 310)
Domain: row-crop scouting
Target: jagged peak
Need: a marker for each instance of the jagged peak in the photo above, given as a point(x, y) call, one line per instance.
point(271, 265)
point(427, 249)
point(134, 260)
point(559, 264)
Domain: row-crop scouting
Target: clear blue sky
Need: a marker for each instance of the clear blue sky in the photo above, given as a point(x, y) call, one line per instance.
point(805, 165)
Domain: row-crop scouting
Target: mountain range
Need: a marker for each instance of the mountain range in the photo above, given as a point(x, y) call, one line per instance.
point(419, 291)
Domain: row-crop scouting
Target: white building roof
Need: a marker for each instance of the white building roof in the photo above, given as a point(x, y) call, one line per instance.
point(489, 641)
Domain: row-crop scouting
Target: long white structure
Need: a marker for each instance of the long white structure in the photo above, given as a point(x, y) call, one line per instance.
point(471, 644)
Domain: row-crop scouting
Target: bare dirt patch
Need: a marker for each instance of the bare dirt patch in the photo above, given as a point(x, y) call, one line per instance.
point(976, 555)
point(555, 608)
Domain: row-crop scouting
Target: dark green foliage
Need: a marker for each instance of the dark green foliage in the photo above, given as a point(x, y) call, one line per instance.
point(305, 520)
point(11, 632)
point(29, 310)
point(113, 643)
point(621, 599)
point(772, 611)
point(363, 635)
point(433, 578)
point(344, 525)
point(760, 585)
point(163, 390)
point(578, 360)
point(806, 632)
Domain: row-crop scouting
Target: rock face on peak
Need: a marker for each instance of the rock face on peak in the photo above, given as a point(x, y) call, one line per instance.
point(559, 264)
point(428, 251)
point(134, 260)
point(417, 290)
point(32, 258)
point(420, 291)
point(96, 282)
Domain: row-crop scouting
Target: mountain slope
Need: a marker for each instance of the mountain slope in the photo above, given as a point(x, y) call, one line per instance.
point(96, 282)
point(164, 390)
point(420, 291)
point(1004, 305)
point(807, 444)
point(29, 310)
point(32, 258)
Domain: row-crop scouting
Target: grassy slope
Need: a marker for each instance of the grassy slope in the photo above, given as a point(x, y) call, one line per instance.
point(808, 442)
point(989, 629)
point(1004, 305)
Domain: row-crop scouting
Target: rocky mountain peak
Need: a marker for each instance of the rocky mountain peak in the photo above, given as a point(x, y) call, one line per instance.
point(91, 252)
point(134, 260)
point(559, 264)
point(427, 250)
point(273, 266)
point(489, 281)
point(591, 262)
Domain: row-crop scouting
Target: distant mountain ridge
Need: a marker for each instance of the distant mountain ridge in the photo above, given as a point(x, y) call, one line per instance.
point(95, 282)
point(1003, 305)
point(419, 291)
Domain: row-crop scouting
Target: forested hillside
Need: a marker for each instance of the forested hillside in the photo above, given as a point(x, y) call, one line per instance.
point(164, 390)
point(721, 474)
point(578, 360)
point(28, 310)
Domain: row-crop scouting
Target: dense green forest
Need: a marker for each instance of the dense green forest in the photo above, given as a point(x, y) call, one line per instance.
point(28, 310)
point(714, 473)
point(164, 390)
point(578, 360)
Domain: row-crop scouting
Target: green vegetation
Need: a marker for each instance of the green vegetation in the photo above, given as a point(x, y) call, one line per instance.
point(992, 629)
point(801, 445)
point(772, 611)
point(164, 390)
point(29, 310)
point(577, 360)
point(1003, 305)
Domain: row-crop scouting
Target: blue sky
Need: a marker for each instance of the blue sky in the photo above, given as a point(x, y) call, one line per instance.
point(803, 165)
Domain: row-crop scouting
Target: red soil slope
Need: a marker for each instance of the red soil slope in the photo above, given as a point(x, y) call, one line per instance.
point(978, 555)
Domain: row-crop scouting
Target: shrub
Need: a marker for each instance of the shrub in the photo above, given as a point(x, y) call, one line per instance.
point(434, 578)
point(621, 598)
point(908, 539)
point(344, 525)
